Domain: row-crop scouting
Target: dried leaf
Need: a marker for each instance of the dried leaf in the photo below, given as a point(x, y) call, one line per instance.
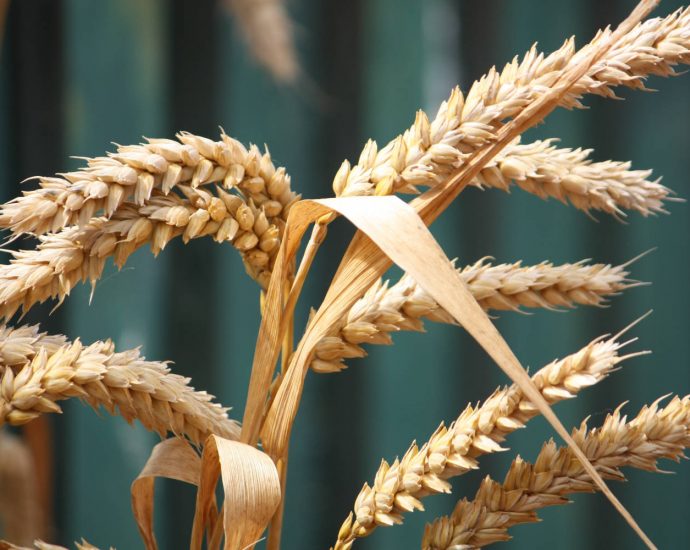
point(173, 458)
point(252, 493)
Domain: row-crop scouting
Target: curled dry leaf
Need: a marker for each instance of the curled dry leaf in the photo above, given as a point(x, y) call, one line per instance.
point(251, 487)
point(172, 459)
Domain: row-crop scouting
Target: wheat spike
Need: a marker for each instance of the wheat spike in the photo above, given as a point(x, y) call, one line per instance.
point(569, 176)
point(145, 390)
point(453, 450)
point(429, 151)
point(653, 434)
point(76, 254)
point(403, 306)
point(135, 171)
point(20, 513)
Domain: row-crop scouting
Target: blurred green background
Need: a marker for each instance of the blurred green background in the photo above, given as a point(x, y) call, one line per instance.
point(76, 75)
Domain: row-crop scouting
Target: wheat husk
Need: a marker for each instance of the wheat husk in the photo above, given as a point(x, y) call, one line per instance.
point(431, 150)
point(123, 383)
point(453, 450)
point(656, 432)
point(385, 309)
point(18, 345)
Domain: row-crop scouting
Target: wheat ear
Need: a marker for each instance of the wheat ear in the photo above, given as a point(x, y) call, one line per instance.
point(653, 434)
point(453, 450)
point(77, 254)
point(568, 175)
point(429, 151)
point(19, 506)
point(135, 171)
point(145, 390)
point(384, 310)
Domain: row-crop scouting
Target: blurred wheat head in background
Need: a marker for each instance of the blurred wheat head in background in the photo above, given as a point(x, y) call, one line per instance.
point(195, 187)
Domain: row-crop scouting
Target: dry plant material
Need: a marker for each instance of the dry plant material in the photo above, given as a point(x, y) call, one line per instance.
point(655, 433)
point(196, 187)
point(121, 382)
point(40, 545)
point(269, 34)
point(385, 309)
point(20, 509)
point(364, 261)
point(453, 450)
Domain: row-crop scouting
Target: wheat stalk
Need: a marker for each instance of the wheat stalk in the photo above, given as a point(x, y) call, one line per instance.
point(135, 171)
point(145, 390)
point(453, 450)
point(430, 151)
point(653, 434)
point(19, 506)
point(403, 306)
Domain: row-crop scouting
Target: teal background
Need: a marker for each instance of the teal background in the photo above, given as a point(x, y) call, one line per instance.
point(76, 75)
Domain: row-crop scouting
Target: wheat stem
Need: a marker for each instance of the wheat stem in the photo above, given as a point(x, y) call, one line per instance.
point(145, 390)
point(453, 450)
point(653, 434)
point(384, 310)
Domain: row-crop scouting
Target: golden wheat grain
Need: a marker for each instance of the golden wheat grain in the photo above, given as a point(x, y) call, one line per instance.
point(135, 171)
point(428, 152)
point(76, 254)
point(18, 345)
point(268, 31)
point(145, 390)
point(453, 450)
point(19, 503)
point(403, 306)
point(653, 434)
